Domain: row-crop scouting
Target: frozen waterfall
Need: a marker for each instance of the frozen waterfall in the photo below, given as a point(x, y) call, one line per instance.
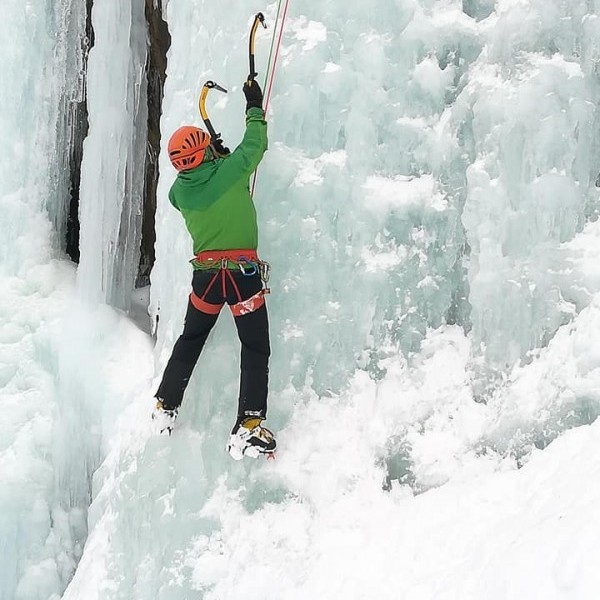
point(429, 204)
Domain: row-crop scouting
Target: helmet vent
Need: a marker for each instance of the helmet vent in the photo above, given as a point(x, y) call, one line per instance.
point(187, 146)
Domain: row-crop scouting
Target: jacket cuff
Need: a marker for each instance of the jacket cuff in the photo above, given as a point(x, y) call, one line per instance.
point(253, 111)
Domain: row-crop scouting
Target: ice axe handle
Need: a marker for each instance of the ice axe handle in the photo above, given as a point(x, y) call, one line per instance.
point(209, 85)
point(259, 19)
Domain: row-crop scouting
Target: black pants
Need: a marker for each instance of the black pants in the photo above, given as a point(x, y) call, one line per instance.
point(253, 331)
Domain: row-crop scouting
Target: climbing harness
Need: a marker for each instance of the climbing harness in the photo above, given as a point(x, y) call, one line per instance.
point(224, 261)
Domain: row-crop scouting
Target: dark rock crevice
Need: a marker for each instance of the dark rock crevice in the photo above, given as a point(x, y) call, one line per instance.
point(79, 126)
point(159, 42)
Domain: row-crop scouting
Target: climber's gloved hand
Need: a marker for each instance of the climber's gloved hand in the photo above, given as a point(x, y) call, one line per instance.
point(253, 93)
point(221, 150)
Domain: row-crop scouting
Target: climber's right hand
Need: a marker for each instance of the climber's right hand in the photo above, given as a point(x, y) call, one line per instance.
point(253, 93)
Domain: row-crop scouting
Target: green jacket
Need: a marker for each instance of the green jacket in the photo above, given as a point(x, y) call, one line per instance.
point(214, 198)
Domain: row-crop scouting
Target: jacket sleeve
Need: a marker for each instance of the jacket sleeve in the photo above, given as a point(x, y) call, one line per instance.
point(245, 158)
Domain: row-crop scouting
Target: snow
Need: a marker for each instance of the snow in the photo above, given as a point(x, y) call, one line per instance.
point(428, 203)
point(327, 528)
point(31, 545)
point(460, 541)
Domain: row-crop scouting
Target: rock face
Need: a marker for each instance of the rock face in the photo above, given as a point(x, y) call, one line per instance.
point(78, 124)
point(159, 41)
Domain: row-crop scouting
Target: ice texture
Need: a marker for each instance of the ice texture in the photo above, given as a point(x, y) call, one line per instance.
point(423, 156)
point(51, 424)
point(37, 546)
point(112, 172)
point(531, 132)
point(429, 205)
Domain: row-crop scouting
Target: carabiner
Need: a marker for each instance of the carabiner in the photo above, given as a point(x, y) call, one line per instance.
point(247, 273)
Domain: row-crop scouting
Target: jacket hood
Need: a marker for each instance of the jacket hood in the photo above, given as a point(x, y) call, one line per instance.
point(202, 173)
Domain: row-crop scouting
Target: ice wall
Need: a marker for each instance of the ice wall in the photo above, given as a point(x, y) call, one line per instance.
point(57, 368)
point(380, 138)
point(38, 40)
point(389, 246)
point(527, 119)
point(430, 173)
point(38, 79)
point(112, 172)
point(68, 88)
point(102, 356)
point(364, 236)
point(373, 199)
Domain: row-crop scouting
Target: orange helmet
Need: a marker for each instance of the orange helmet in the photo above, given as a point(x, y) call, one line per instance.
point(187, 146)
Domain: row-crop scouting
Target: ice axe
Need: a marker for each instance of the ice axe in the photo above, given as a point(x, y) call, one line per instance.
point(259, 19)
point(215, 137)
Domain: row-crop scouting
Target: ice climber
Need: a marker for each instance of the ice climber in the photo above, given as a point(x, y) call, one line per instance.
point(212, 194)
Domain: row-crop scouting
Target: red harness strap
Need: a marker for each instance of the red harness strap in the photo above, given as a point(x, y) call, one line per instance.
point(217, 256)
point(248, 306)
point(203, 306)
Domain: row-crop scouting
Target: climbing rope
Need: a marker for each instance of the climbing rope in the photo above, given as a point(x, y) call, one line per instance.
point(268, 71)
point(281, 28)
point(270, 76)
point(259, 19)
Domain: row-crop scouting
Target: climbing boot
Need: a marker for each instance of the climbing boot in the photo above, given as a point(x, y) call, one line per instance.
point(164, 418)
point(250, 438)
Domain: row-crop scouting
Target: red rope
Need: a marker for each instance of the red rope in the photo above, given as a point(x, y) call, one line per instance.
point(272, 78)
point(285, 10)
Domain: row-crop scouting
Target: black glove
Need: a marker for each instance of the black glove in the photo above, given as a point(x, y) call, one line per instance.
point(217, 144)
point(253, 93)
